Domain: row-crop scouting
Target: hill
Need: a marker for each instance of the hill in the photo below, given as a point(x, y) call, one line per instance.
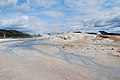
point(13, 34)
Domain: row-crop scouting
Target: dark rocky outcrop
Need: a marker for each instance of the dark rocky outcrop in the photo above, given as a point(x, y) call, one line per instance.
point(92, 33)
point(77, 32)
point(105, 33)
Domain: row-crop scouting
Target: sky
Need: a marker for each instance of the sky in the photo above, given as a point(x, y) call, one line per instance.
point(45, 16)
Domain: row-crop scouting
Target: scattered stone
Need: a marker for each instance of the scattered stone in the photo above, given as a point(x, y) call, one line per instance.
point(112, 49)
point(101, 46)
point(72, 53)
point(118, 50)
point(118, 55)
point(87, 48)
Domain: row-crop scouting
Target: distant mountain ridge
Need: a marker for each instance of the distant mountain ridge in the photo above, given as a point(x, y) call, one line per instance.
point(13, 34)
point(106, 33)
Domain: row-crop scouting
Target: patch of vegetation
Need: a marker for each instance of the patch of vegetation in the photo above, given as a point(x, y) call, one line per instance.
point(13, 34)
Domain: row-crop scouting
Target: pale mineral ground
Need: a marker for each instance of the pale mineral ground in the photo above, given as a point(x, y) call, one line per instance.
point(68, 56)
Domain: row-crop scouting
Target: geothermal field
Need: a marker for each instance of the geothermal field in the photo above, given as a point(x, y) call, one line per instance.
point(67, 56)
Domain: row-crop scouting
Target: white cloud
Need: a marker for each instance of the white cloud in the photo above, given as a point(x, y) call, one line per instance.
point(19, 21)
point(8, 3)
point(54, 14)
point(30, 23)
point(104, 13)
point(47, 3)
point(39, 26)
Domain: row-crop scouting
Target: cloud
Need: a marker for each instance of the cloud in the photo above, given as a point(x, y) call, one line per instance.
point(39, 26)
point(29, 23)
point(17, 21)
point(42, 16)
point(47, 3)
point(54, 14)
point(7, 3)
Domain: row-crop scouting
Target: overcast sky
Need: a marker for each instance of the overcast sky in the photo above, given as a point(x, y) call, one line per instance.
point(42, 16)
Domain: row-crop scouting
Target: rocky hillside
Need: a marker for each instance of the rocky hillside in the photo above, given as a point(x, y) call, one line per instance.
point(13, 34)
point(71, 36)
